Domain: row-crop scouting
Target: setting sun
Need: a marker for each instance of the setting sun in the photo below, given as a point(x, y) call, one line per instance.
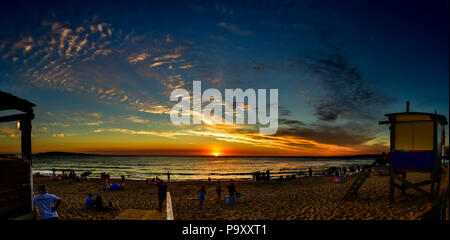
point(215, 154)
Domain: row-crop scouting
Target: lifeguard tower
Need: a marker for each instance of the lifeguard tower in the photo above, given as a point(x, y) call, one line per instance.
point(417, 145)
point(16, 179)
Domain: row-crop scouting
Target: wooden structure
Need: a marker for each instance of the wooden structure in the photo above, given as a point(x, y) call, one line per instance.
point(352, 192)
point(417, 145)
point(16, 178)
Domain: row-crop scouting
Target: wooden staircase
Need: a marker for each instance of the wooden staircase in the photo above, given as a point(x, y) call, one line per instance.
point(353, 191)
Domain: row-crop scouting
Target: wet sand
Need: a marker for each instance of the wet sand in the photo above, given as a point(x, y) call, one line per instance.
point(308, 198)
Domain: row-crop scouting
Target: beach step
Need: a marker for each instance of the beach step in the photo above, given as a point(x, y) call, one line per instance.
point(143, 214)
point(359, 181)
point(140, 214)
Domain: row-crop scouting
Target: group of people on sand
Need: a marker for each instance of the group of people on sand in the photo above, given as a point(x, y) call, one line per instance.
point(48, 203)
point(232, 192)
point(71, 176)
point(113, 186)
point(265, 176)
point(97, 204)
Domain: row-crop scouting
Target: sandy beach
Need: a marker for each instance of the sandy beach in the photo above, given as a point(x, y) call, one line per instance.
point(308, 198)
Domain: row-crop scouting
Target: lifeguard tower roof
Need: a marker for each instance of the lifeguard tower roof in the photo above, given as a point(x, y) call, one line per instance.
point(416, 117)
point(9, 102)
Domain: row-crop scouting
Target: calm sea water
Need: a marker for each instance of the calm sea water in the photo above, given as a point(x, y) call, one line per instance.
point(187, 168)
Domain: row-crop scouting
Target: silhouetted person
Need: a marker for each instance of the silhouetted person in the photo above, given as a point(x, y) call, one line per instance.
point(99, 205)
point(162, 193)
point(202, 193)
point(310, 172)
point(168, 176)
point(218, 191)
point(54, 175)
point(231, 188)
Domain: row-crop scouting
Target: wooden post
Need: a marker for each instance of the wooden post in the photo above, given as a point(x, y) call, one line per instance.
point(391, 184)
point(25, 127)
point(403, 185)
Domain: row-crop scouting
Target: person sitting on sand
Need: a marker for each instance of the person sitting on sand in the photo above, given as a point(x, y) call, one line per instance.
point(99, 205)
point(90, 201)
point(47, 204)
point(162, 193)
point(202, 193)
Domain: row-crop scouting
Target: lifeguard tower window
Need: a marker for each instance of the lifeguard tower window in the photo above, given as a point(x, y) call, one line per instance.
point(414, 136)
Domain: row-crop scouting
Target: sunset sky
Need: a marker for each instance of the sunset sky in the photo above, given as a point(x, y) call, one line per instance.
point(101, 73)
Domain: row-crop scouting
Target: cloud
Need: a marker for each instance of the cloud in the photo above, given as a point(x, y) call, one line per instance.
point(157, 64)
point(187, 66)
point(234, 29)
point(135, 119)
point(348, 134)
point(94, 123)
point(62, 135)
point(167, 56)
point(94, 114)
point(58, 124)
point(138, 58)
point(347, 94)
point(9, 132)
point(134, 132)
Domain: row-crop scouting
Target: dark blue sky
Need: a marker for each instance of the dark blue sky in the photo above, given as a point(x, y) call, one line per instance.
point(338, 65)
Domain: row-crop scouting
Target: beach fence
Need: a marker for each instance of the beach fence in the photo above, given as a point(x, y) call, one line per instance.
point(169, 207)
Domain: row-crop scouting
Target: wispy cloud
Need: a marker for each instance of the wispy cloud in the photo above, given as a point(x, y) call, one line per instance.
point(135, 132)
point(97, 123)
point(135, 119)
point(234, 28)
point(62, 135)
point(135, 58)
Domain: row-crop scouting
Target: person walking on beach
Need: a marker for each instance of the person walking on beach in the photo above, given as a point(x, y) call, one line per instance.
point(231, 188)
point(202, 195)
point(218, 191)
point(268, 175)
point(54, 174)
point(168, 176)
point(47, 204)
point(310, 172)
point(162, 193)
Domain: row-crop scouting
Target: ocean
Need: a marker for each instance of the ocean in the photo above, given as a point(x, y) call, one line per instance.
point(188, 168)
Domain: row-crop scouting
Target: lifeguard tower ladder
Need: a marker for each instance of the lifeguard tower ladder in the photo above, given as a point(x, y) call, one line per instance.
point(417, 145)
